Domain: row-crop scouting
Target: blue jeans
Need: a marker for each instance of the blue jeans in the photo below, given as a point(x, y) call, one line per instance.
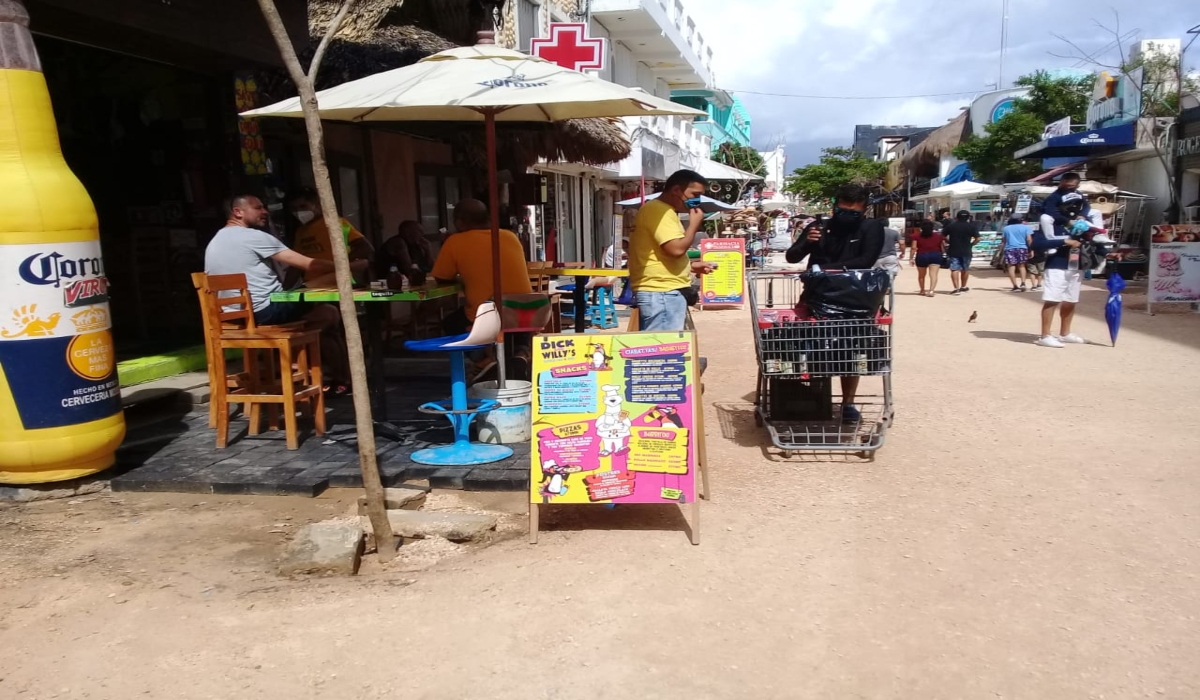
point(661, 311)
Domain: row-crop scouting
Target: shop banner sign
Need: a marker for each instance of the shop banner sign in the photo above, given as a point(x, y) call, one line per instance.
point(1024, 202)
point(725, 285)
point(1174, 265)
point(981, 205)
point(898, 223)
point(615, 419)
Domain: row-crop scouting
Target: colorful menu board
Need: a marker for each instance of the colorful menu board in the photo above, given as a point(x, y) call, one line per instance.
point(1174, 264)
point(725, 285)
point(614, 418)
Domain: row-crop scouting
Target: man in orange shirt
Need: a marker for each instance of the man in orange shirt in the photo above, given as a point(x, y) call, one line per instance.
point(312, 238)
point(466, 257)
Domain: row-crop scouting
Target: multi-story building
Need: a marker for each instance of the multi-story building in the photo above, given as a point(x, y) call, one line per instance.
point(727, 120)
point(652, 45)
point(867, 136)
point(775, 162)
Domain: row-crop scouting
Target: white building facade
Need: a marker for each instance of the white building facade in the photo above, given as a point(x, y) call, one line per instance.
point(654, 46)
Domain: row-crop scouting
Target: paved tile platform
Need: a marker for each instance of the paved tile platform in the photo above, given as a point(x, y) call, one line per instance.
point(177, 453)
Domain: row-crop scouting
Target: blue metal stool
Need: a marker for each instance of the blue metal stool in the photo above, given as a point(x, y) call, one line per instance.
point(600, 313)
point(603, 313)
point(460, 410)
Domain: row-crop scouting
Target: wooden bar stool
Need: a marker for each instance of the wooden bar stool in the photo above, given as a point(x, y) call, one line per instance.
point(291, 382)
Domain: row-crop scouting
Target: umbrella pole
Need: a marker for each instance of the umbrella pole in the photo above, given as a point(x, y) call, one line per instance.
point(489, 117)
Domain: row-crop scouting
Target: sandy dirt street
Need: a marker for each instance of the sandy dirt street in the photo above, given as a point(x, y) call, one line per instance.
point(1031, 529)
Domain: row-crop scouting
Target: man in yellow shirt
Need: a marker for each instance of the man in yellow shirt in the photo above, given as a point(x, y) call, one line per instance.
point(312, 238)
point(659, 267)
point(466, 257)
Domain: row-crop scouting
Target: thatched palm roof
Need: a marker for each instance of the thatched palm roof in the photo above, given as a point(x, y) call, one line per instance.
point(381, 35)
point(940, 142)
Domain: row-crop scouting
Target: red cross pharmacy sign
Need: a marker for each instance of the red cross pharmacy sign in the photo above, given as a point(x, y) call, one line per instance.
point(570, 47)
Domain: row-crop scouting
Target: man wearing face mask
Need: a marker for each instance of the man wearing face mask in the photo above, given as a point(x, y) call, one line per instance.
point(659, 267)
point(312, 238)
point(849, 241)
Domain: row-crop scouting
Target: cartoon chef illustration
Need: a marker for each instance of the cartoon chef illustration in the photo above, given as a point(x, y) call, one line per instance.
point(613, 426)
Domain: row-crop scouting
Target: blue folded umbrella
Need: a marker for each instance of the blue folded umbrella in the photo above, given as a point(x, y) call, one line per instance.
point(1112, 308)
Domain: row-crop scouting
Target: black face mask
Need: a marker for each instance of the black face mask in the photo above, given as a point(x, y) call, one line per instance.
point(846, 219)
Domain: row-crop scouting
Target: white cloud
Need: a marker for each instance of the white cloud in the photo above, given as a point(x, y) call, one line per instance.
point(889, 47)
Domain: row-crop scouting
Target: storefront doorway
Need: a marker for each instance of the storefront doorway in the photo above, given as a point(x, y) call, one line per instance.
point(150, 142)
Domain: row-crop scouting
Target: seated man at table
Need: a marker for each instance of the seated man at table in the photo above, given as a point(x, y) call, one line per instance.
point(466, 258)
point(407, 251)
point(312, 238)
point(244, 247)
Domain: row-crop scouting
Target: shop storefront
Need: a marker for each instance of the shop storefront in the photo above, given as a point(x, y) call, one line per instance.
point(144, 98)
point(1187, 153)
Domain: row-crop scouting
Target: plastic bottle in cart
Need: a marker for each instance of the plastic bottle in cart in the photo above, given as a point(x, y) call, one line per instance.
point(60, 399)
point(860, 363)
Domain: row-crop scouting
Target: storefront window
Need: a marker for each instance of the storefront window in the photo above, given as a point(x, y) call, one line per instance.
point(350, 205)
point(146, 140)
point(438, 190)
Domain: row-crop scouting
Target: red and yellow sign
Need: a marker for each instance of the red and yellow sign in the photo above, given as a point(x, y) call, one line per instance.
point(725, 285)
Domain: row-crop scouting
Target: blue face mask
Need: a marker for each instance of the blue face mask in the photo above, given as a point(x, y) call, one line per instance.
point(693, 202)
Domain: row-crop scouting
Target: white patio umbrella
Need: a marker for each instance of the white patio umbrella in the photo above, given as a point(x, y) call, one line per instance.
point(482, 83)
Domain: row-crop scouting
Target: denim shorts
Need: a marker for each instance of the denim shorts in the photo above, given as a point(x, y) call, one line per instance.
point(960, 264)
point(277, 313)
point(661, 311)
point(931, 258)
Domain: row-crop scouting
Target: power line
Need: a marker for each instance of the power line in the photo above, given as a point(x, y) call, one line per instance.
point(851, 97)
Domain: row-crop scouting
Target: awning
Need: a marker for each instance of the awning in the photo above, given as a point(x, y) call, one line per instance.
point(1055, 172)
point(960, 173)
point(713, 170)
point(1085, 144)
point(962, 190)
point(708, 204)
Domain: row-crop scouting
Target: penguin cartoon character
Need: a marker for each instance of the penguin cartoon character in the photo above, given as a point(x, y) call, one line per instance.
point(600, 358)
point(554, 482)
point(665, 416)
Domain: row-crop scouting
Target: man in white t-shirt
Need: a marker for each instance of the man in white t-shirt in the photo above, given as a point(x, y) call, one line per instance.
point(243, 247)
point(610, 255)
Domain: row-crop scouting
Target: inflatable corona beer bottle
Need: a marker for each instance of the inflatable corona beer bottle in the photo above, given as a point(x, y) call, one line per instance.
point(60, 403)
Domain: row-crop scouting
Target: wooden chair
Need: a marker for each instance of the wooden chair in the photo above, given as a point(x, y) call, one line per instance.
point(539, 283)
point(292, 382)
point(233, 380)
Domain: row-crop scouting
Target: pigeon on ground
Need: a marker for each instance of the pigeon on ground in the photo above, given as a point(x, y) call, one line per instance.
point(974, 315)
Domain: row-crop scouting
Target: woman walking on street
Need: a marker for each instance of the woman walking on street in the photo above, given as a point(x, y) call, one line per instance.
point(931, 255)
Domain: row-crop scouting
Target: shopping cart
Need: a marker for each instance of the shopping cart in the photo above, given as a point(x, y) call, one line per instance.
point(798, 359)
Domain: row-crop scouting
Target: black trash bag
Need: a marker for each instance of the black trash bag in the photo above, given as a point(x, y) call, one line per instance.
point(853, 294)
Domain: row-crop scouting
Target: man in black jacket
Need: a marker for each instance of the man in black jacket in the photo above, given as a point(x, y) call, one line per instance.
point(849, 241)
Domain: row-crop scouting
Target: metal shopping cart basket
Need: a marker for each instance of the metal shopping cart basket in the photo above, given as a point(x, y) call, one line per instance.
point(798, 361)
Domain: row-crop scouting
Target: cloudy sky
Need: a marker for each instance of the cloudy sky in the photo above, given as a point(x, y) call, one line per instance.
point(854, 48)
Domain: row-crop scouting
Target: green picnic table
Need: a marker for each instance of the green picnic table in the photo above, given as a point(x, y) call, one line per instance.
point(374, 316)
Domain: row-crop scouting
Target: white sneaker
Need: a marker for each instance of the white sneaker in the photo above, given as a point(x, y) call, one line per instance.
point(1072, 339)
point(1049, 341)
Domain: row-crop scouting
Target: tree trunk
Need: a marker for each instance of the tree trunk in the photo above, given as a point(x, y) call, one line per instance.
point(364, 424)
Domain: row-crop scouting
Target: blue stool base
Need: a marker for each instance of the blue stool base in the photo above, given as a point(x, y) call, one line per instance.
point(462, 454)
